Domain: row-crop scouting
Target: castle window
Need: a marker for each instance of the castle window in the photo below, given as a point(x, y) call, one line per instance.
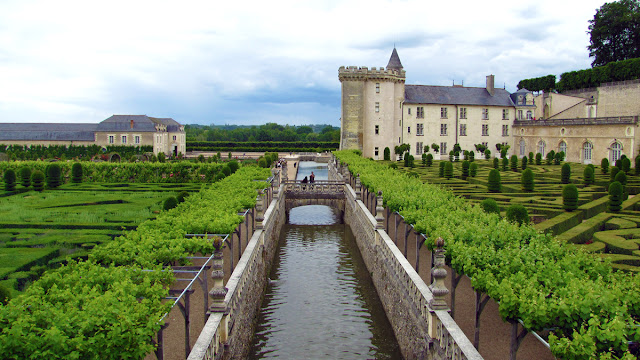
point(377, 129)
point(124, 139)
point(420, 129)
point(463, 129)
point(443, 129)
point(541, 147)
point(505, 114)
point(420, 112)
point(111, 139)
point(419, 148)
point(505, 130)
point(443, 113)
point(463, 113)
point(520, 116)
point(174, 138)
point(408, 129)
point(378, 88)
point(529, 115)
point(520, 100)
point(136, 139)
point(485, 114)
point(409, 111)
point(375, 151)
point(485, 129)
point(377, 107)
point(616, 152)
point(443, 148)
point(587, 148)
point(523, 147)
point(563, 147)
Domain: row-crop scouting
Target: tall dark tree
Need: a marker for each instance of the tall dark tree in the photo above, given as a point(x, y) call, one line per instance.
point(615, 32)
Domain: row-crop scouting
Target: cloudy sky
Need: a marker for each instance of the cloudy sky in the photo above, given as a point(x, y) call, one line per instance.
point(252, 62)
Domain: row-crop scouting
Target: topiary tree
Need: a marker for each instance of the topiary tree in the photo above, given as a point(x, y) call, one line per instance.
point(614, 172)
point(9, 180)
point(170, 203)
point(618, 163)
point(441, 168)
point(37, 180)
point(465, 170)
point(558, 158)
point(262, 162)
point(490, 206)
point(523, 164)
point(429, 159)
point(424, 159)
point(626, 165)
point(589, 176)
point(604, 165)
point(565, 174)
point(472, 156)
point(54, 176)
point(448, 170)
point(25, 176)
point(451, 155)
point(494, 181)
point(637, 164)
point(517, 214)
point(411, 161)
point(496, 163)
point(487, 154)
point(76, 173)
point(473, 169)
point(621, 177)
point(182, 195)
point(570, 197)
point(514, 163)
point(233, 166)
point(387, 153)
point(550, 155)
point(615, 197)
point(538, 159)
point(505, 164)
point(531, 157)
point(527, 180)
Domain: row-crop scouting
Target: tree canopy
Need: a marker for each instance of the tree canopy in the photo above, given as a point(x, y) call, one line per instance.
point(615, 32)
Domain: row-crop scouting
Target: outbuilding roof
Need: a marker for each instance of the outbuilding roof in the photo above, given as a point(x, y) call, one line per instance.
point(47, 132)
point(455, 95)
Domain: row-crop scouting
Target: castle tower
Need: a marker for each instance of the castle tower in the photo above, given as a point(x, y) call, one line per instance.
point(372, 107)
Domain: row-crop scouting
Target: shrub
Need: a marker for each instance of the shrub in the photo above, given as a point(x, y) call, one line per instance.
point(614, 171)
point(233, 166)
point(570, 197)
point(262, 162)
point(549, 158)
point(514, 163)
point(37, 180)
point(25, 176)
point(473, 169)
point(588, 176)
point(524, 163)
point(465, 170)
point(409, 160)
point(424, 159)
point(527, 180)
point(54, 176)
point(441, 169)
point(626, 165)
point(229, 155)
point(615, 197)
point(448, 170)
point(9, 180)
point(170, 203)
point(5, 295)
point(387, 153)
point(494, 181)
point(472, 156)
point(503, 152)
point(76, 173)
point(182, 195)
point(429, 159)
point(393, 166)
point(496, 163)
point(637, 164)
point(558, 158)
point(565, 174)
point(161, 157)
point(490, 206)
point(618, 163)
point(604, 165)
point(621, 177)
point(530, 157)
point(226, 170)
point(538, 159)
point(451, 155)
point(517, 214)
point(505, 164)
point(487, 154)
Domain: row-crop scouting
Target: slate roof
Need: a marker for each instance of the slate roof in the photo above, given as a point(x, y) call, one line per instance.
point(141, 123)
point(47, 131)
point(523, 92)
point(455, 95)
point(172, 125)
point(394, 61)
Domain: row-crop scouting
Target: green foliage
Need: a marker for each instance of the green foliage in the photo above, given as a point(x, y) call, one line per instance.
point(621, 177)
point(588, 176)
point(626, 164)
point(517, 214)
point(473, 169)
point(76, 173)
point(261, 146)
point(229, 155)
point(570, 197)
point(395, 166)
point(5, 295)
point(614, 36)
point(441, 166)
point(531, 157)
point(604, 165)
point(40, 152)
point(262, 162)
point(37, 180)
point(490, 206)
point(527, 180)
point(471, 157)
point(448, 170)
point(543, 83)
point(429, 160)
point(550, 156)
point(558, 158)
point(637, 165)
point(487, 154)
point(538, 159)
point(162, 157)
point(496, 163)
point(409, 160)
point(170, 203)
point(25, 176)
point(614, 172)
point(505, 164)
point(267, 133)
point(465, 170)
point(182, 195)
point(615, 196)
point(387, 153)
point(514, 163)
point(565, 174)
point(9, 180)
point(615, 71)
point(523, 164)
point(451, 155)
point(435, 147)
point(233, 166)
point(424, 159)
point(494, 184)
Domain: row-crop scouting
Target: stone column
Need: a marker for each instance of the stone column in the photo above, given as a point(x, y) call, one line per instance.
point(219, 291)
point(276, 182)
point(438, 289)
point(358, 188)
point(259, 210)
point(284, 173)
point(379, 211)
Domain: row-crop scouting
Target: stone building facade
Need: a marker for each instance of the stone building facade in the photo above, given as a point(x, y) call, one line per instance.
point(379, 110)
point(163, 134)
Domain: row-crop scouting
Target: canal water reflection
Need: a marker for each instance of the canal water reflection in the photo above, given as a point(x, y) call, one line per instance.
point(321, 302)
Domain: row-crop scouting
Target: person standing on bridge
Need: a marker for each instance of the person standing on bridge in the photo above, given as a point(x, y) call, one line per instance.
point(312, 178)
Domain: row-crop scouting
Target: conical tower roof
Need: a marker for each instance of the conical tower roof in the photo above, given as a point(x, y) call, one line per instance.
point(394, 61)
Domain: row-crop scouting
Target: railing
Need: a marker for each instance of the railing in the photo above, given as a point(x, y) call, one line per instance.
point(318, 189)
point(619, 120)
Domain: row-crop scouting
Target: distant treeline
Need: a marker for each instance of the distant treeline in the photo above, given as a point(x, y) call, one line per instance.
point(266, 132)
point(580, 79)
point(34, 152)
point(262, 146)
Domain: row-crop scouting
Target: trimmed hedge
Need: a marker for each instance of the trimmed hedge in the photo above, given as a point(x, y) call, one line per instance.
point(261, 146)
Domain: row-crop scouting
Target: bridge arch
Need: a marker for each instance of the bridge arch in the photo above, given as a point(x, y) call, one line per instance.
point(322, 192)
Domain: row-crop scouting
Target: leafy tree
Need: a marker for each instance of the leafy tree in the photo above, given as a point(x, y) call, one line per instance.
point(490, 206)
point(494, 181)
point(387, 153)
point(517, 214)
point(441, 168)
point(76, 173)
point(543, 83)
point(54, 176)
point(615, 197)
point(565, 173)
point(473, 169)
point(25, 176)
point(604, 165)
point(514, 163)
point(524, 163)
point(465, 170)
point(588, 176)
point(527, 180)
point(435, 148)
point(448, 170)
point(570, 197)
point(37, 180)
point(9, 180)
point(615, 32)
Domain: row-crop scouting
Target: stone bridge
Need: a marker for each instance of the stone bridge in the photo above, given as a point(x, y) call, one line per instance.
point(321, 192)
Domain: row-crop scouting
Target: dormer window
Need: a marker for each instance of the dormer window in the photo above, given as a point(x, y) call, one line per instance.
point(520, 100)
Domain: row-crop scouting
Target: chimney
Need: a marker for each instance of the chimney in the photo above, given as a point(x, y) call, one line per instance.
point(131, 123)
point(490, 88)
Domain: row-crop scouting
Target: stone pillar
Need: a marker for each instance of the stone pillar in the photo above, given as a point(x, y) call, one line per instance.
point(259, 210)
point(284, 173)
point(276, 182)
point(379, 211)
point(438, 289)
point(358, 187)
point(218, 291)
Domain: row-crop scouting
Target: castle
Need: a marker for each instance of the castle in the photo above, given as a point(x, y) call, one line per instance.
point(379, 111)
point(165, 135)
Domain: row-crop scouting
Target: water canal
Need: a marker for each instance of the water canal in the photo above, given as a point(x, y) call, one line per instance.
point(321, 302)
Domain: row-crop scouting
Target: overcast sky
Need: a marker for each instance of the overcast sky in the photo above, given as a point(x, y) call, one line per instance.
point(252, 62)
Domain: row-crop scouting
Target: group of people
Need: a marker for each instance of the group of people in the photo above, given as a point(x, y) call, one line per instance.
point(311, 179)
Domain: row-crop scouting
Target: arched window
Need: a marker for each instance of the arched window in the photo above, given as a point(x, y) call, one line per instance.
point(587, 149)
point(523, 147)
point(563, 148)
point(541, 146)
point(616, 152)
